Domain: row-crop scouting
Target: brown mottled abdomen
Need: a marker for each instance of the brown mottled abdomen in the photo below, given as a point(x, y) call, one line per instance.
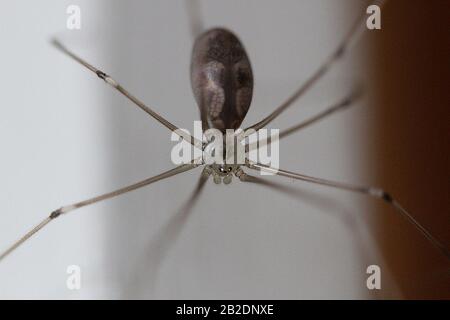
point(221, 79)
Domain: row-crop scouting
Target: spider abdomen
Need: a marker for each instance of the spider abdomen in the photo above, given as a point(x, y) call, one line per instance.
point(221, 79)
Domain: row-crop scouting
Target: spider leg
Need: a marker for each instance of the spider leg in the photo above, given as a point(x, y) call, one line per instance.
point(349, 39)
point(339, 106)
point(166, 237)
point(370, 191)
point(84, 203)
point(110, 81)
point(195, 17)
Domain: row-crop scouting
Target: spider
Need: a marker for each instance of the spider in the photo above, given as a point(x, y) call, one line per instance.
point(222, 83)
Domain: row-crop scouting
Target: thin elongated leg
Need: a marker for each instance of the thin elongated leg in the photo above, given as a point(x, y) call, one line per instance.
point(304, 196)
point(245, 177)
point(195, 17)
point(328, 205)
point(109, 195)
point(196, 193)
point(113, 83)
point(371, 191)
point(341, 105)
point(353, 34)
point(150, 260)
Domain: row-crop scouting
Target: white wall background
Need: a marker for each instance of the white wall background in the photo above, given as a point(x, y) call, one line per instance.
point(66, 136)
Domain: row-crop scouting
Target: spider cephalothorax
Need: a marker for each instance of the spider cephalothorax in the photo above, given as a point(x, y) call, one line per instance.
point(222, 172)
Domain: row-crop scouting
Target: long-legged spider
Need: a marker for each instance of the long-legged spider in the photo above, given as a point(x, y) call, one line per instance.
point(222, 82)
